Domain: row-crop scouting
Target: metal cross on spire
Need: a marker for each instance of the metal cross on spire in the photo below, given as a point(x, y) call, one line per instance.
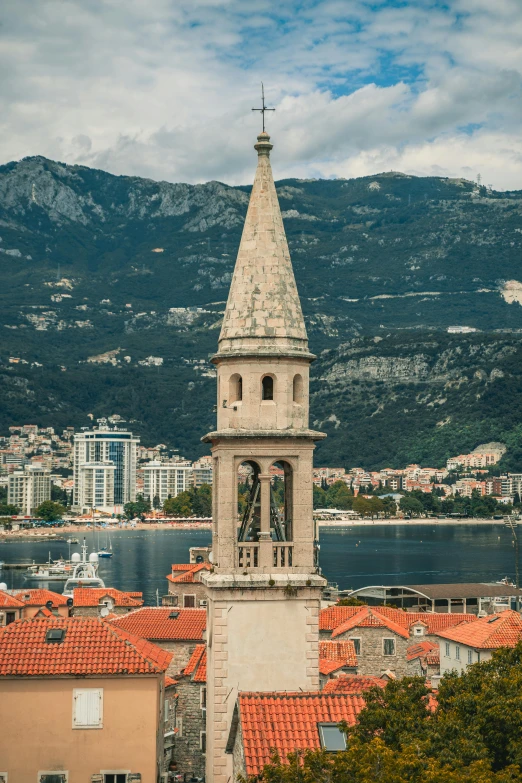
point(264, 108)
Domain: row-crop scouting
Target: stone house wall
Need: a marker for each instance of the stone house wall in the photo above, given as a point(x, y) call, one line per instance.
point(182, 650)
point(179, 589)
point(94, 611)
point(191, 720)
point(238, 754)
point(371, 659)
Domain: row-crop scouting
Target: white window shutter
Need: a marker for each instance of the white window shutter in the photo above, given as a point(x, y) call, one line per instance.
point(87, 707)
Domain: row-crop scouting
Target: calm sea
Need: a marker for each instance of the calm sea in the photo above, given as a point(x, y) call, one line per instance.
point(352, 557)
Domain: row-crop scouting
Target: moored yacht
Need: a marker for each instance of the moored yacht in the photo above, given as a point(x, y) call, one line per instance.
point(85, 572)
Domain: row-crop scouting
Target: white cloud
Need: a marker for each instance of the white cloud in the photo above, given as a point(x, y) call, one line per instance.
point(165, 89)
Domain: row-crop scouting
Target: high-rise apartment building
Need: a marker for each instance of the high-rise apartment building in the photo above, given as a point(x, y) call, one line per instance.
point(104, 469)
point(166, 479)
point(202, 471)
point(28, 488)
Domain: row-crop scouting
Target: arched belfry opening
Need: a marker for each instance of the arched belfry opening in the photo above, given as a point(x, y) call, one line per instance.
point(267, 388)
point(249, 501)
point(235, 393)
point(265, 502)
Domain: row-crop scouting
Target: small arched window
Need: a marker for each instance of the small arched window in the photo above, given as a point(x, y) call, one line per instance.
point(235, 388)
point(267, 388)
point(298, 389)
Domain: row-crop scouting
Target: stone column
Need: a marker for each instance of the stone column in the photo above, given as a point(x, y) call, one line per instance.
point(265, 540)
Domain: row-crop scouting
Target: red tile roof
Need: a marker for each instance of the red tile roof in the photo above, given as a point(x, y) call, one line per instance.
point(170, 681)
point(336, 655)
point(188, 572)
point(36, 597)
point(8, 601)
point(368, 618)
point(288, 721)
point(334, 616)
point(92, 596)
point(422, 650)
point(488, 633)
point(157, 623)
point(197, 665)
point(89, 647)
point(352, 683)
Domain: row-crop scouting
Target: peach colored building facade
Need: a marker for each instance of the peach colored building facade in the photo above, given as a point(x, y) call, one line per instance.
point(80, 702)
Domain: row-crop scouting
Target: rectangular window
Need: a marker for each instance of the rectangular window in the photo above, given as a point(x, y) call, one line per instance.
point(203, 741)
point(203, 697)
point(332, 738)
point(166, 712)
point(470, 656)
point(53, 777)
point(388, 646)
point(457, 652)
point(114, 777)
point(189, 601)
point(3, 777)
point(447, 650)
point(88, 708)
point(10, 617)
point(356, 644)
point(179, 726)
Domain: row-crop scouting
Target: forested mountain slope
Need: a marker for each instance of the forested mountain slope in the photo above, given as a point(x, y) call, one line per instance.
point(95, 268)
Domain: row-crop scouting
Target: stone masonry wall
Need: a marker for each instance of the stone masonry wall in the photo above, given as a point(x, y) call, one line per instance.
point(371, 659)
point(187, 750)
point(180, 589)
point(182, 651)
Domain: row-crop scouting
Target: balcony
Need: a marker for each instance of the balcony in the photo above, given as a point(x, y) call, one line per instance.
point(248, 555)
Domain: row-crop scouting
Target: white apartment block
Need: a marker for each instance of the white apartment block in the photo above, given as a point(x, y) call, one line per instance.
point(96, 485)
point(202, 472)
point(166, 479)
point(28, 488)
point(104, 467)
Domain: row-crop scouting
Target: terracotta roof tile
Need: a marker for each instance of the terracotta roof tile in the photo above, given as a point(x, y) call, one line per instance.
point(160, 623)
point(8, 601)
point(92, 596)
point(288, 721)
point(488, 633)
point(368, 618)
point(89, 647)
point(197, 665)
point(334, 616)
point(188, 572)
point(336, 655)
point(170, 681)
point(37, 597)
point(352, 683)
point(421, 650)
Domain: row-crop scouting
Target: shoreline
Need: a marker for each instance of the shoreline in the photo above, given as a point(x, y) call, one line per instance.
point(60, 534)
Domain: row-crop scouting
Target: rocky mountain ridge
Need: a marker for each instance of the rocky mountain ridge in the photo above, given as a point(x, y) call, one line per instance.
point(99, 272)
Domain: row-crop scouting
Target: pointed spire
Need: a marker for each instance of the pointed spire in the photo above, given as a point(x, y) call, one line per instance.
point(263, 313)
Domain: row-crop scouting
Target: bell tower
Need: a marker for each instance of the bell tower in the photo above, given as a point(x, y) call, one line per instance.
point(264, 591)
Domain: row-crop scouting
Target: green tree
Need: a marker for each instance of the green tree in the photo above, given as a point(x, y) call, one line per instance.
point(6, 509)
point(389, 507)
point(339, 496)
point(156, 502)
point(320, 500)
point(136, 508)
point(202, 501)
point(412, 506)
point(180, 506)
point(50, 511)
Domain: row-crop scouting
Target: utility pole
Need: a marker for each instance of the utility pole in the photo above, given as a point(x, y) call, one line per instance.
point(512, 525)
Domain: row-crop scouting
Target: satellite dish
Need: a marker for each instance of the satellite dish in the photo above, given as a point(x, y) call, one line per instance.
point(104, 611)
point(3, 586)
point(211, 557)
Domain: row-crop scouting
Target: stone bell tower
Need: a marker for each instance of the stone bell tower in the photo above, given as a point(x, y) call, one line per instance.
point(264, 591)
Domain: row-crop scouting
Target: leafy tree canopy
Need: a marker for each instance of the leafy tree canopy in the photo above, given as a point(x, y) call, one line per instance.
point(50, 511)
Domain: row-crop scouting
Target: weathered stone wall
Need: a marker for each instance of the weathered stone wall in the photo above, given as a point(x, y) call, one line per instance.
point(371, 659)
point(180, 589)
point(182, 651)
point(238, 755)
point(94, 611)
point(187, 750)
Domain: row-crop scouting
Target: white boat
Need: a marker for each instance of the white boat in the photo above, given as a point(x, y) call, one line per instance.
point(85, 572)
point(105, 551)
point(52, 571)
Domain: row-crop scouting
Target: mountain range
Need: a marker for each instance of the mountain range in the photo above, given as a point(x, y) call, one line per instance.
point(411, 289)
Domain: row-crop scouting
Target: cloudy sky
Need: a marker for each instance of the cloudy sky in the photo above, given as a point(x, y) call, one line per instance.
point(164, 88)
